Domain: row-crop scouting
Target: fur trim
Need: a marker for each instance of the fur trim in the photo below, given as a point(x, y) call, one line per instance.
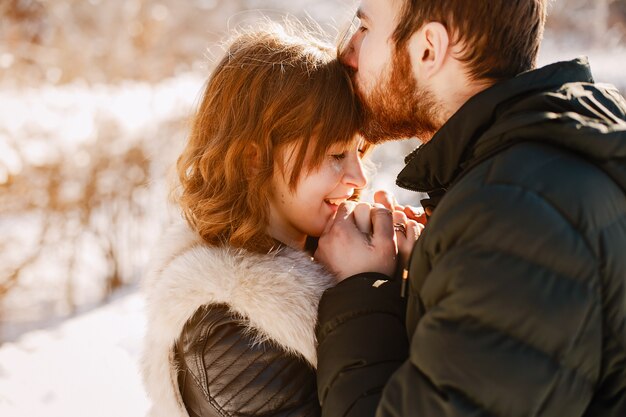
point(276, 294)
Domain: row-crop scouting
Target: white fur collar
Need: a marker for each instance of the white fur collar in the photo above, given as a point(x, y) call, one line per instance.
point(277, 294)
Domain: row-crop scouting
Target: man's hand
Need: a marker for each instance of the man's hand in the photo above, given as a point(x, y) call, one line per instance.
point(346, 250)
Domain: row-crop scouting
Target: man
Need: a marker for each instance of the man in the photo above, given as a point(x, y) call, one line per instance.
point(516, 297)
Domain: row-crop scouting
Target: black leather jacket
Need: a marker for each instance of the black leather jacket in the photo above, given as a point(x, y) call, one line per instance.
point(225, 371)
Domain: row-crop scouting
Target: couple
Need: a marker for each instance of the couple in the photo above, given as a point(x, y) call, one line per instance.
point(280, 297)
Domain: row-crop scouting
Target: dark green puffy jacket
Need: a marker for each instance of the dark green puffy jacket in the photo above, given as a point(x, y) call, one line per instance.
point(517, 287)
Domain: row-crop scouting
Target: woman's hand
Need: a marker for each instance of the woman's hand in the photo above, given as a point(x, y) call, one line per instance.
point(408, 223)
point(407, 232)
point(389, 201)
point(359, 239)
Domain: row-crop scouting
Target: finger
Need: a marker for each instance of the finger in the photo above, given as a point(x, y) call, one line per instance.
point(413, 230)
point(394, 203)
point(405, 246)
point(329, 225)
point(344, 222)
point(416, 214)
point(345, 210)
point(342, 214)
point(382, 224)
point(363, 218)
point(406, 243)
point(399, 217)
point(413, 211)
point(384, 198)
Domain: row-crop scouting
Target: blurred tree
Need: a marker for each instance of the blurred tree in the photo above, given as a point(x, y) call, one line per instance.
point(617, 18)
point(59, 41)
point(97, 198)
point(103, 41)
point(26, 21)
point(588, 21)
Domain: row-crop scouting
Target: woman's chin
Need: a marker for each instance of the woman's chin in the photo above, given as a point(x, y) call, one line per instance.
point(317, 230)
point(316, 233)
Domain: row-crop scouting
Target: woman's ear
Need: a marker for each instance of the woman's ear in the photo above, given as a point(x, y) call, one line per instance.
point(428, 49)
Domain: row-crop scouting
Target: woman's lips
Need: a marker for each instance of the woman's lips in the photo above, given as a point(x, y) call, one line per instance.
point(333, 207)
point(334, 203)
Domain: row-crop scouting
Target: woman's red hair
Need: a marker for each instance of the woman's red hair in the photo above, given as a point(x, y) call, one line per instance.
point(273, 88)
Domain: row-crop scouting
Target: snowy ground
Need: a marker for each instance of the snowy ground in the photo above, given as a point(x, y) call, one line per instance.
point(88, 365)
point(85, 367)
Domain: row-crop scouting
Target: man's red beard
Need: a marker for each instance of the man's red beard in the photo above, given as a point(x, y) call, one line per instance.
point(398, 109)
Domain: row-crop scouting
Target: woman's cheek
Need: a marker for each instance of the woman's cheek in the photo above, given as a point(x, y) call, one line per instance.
point(336, 167)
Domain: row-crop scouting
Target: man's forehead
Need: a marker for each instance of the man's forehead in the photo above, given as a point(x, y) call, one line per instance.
point(382, 3)
point(370, 9)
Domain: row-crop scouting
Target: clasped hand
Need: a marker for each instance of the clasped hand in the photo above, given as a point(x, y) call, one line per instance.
point(362, 237)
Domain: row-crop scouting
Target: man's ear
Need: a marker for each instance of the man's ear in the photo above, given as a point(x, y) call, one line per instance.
point(429, 48)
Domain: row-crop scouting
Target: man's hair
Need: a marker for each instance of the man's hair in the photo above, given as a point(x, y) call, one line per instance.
point(500, 38)
point(276, 86)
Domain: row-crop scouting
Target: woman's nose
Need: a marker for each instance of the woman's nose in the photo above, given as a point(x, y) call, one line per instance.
point(355, 174)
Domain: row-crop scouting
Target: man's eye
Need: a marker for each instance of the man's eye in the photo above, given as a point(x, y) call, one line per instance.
point(362, 29)
point(339, 156)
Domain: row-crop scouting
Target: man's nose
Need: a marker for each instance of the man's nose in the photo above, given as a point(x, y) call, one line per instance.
point(350, 56)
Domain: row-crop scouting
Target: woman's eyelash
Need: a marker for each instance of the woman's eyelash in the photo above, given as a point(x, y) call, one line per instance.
point(340, 156)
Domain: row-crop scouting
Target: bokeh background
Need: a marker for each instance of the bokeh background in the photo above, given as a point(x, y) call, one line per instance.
point(95, 99)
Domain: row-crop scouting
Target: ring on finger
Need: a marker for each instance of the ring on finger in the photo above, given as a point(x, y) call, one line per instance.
point(400, 227)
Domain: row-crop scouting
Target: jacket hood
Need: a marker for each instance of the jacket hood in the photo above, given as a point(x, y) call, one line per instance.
point(559, 105)
point(275, 294)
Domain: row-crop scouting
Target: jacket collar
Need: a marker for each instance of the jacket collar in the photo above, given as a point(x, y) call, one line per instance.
point(436, 164)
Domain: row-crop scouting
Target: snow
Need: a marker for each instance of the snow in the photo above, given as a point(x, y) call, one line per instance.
point(87, 366)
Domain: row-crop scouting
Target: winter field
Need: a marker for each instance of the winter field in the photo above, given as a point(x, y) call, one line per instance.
point(72, 323)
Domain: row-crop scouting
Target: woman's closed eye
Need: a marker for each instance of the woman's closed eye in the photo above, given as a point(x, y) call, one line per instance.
point(342, 155)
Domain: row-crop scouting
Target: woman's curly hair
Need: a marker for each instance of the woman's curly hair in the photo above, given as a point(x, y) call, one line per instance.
point(273, 88)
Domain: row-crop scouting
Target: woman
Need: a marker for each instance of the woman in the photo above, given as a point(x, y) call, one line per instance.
point(232, 297)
